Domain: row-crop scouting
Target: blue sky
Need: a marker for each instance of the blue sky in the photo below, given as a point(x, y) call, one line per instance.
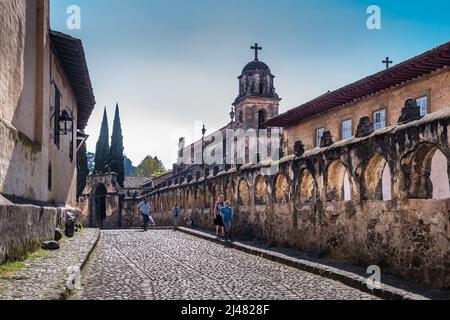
point(171, 63)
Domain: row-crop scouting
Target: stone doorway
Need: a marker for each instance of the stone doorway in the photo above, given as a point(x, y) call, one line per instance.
point(98, 214)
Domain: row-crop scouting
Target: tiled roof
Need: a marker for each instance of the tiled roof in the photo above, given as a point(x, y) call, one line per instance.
point(136, 182)
point(411, 69)
point(71, 55)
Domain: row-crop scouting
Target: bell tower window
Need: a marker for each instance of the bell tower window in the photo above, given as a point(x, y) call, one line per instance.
point(261, 119)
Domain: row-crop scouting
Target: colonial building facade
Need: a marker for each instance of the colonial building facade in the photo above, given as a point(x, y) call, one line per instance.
point(46, 97)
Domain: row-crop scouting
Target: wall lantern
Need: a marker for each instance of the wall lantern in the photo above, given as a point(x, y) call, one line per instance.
point(65, 123)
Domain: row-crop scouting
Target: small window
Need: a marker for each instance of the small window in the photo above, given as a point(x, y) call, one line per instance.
point(319, 134)
point(347, 129)
point(422, 103)
point(261, 119)
point(379, 119)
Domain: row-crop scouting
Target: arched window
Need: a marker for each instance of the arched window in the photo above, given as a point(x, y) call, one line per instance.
point(439, 176)
point(307, 188)
point(377, 179)
point(339, 186)
point(426, 170)
point(261, 119)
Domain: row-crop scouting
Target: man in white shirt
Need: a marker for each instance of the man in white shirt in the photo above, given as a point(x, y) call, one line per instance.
point(144, 208)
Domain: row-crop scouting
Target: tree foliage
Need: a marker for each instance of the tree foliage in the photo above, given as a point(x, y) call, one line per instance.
point(150, 167)
point(116, 150)
point(102, 157)
point(82, 169)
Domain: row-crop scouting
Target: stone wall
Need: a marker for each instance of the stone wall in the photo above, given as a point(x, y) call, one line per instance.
point(23, 227)
point(303, 206)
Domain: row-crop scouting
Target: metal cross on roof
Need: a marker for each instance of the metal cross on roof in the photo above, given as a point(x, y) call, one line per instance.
point(387, 62)
point(256, 48)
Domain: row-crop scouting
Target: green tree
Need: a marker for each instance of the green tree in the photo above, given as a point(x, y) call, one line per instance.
point(150, 167)
point(82, 169)
point(102, 158)
point(116, 150)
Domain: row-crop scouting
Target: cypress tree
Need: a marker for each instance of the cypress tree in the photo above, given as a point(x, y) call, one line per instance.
point(82, 169)
point(116, 151)
point(102, 159)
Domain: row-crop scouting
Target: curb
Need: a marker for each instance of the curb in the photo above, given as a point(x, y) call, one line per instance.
point(68, 292)
point(350, 279)
point(88, 256)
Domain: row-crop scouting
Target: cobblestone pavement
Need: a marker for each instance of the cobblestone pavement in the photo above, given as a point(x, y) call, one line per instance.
point(165, 264)
point(45, 278)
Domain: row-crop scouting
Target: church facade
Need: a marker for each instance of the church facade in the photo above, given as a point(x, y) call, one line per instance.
point(257, 102)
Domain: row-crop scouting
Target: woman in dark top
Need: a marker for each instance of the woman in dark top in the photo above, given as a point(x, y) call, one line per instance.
point(220, 230)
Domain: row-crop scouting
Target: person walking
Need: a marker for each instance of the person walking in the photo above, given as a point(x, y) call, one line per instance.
point(176, 213)
point(144, 208)
point(218, 218)
point(226, 213)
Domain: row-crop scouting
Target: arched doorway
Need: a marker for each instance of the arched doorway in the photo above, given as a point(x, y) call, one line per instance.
point(98, 214)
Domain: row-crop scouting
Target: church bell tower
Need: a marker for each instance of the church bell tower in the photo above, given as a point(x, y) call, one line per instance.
point(257, 100)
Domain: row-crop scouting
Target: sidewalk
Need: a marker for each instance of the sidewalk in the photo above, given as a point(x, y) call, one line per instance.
point(45, 278)
point(392, 287)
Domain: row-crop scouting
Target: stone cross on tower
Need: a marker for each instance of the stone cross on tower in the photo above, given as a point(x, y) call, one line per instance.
point(387, 62)
point(256, 48)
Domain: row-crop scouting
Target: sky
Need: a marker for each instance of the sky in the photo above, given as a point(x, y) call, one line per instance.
point(172, 65)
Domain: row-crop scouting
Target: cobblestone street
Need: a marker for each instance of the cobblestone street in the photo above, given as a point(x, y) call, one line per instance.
point(165, 264)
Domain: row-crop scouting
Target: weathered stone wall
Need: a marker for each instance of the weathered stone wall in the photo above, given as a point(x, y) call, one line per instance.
point(303, 205)
point(23, 227)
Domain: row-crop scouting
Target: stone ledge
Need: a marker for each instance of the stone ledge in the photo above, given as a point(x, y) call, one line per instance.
point(45, 278)
point(348, 278)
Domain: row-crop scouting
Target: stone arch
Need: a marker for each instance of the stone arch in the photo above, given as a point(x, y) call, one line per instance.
point(243, 193)
point(262, 196)
point(281, 189)
point(338, 185)
point(229, 192)
point(307, 188)
point(190, 200)
point(426, 173)
point(199, 198)
point(218, 191)
point(376, 179)
point(208, 203)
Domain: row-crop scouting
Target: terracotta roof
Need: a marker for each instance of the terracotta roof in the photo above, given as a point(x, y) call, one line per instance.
point(411, 69)
point(136, 182)
point(162, 178)
point(71, 55)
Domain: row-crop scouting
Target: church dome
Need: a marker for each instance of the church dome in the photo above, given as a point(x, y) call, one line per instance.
point(256, 65)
